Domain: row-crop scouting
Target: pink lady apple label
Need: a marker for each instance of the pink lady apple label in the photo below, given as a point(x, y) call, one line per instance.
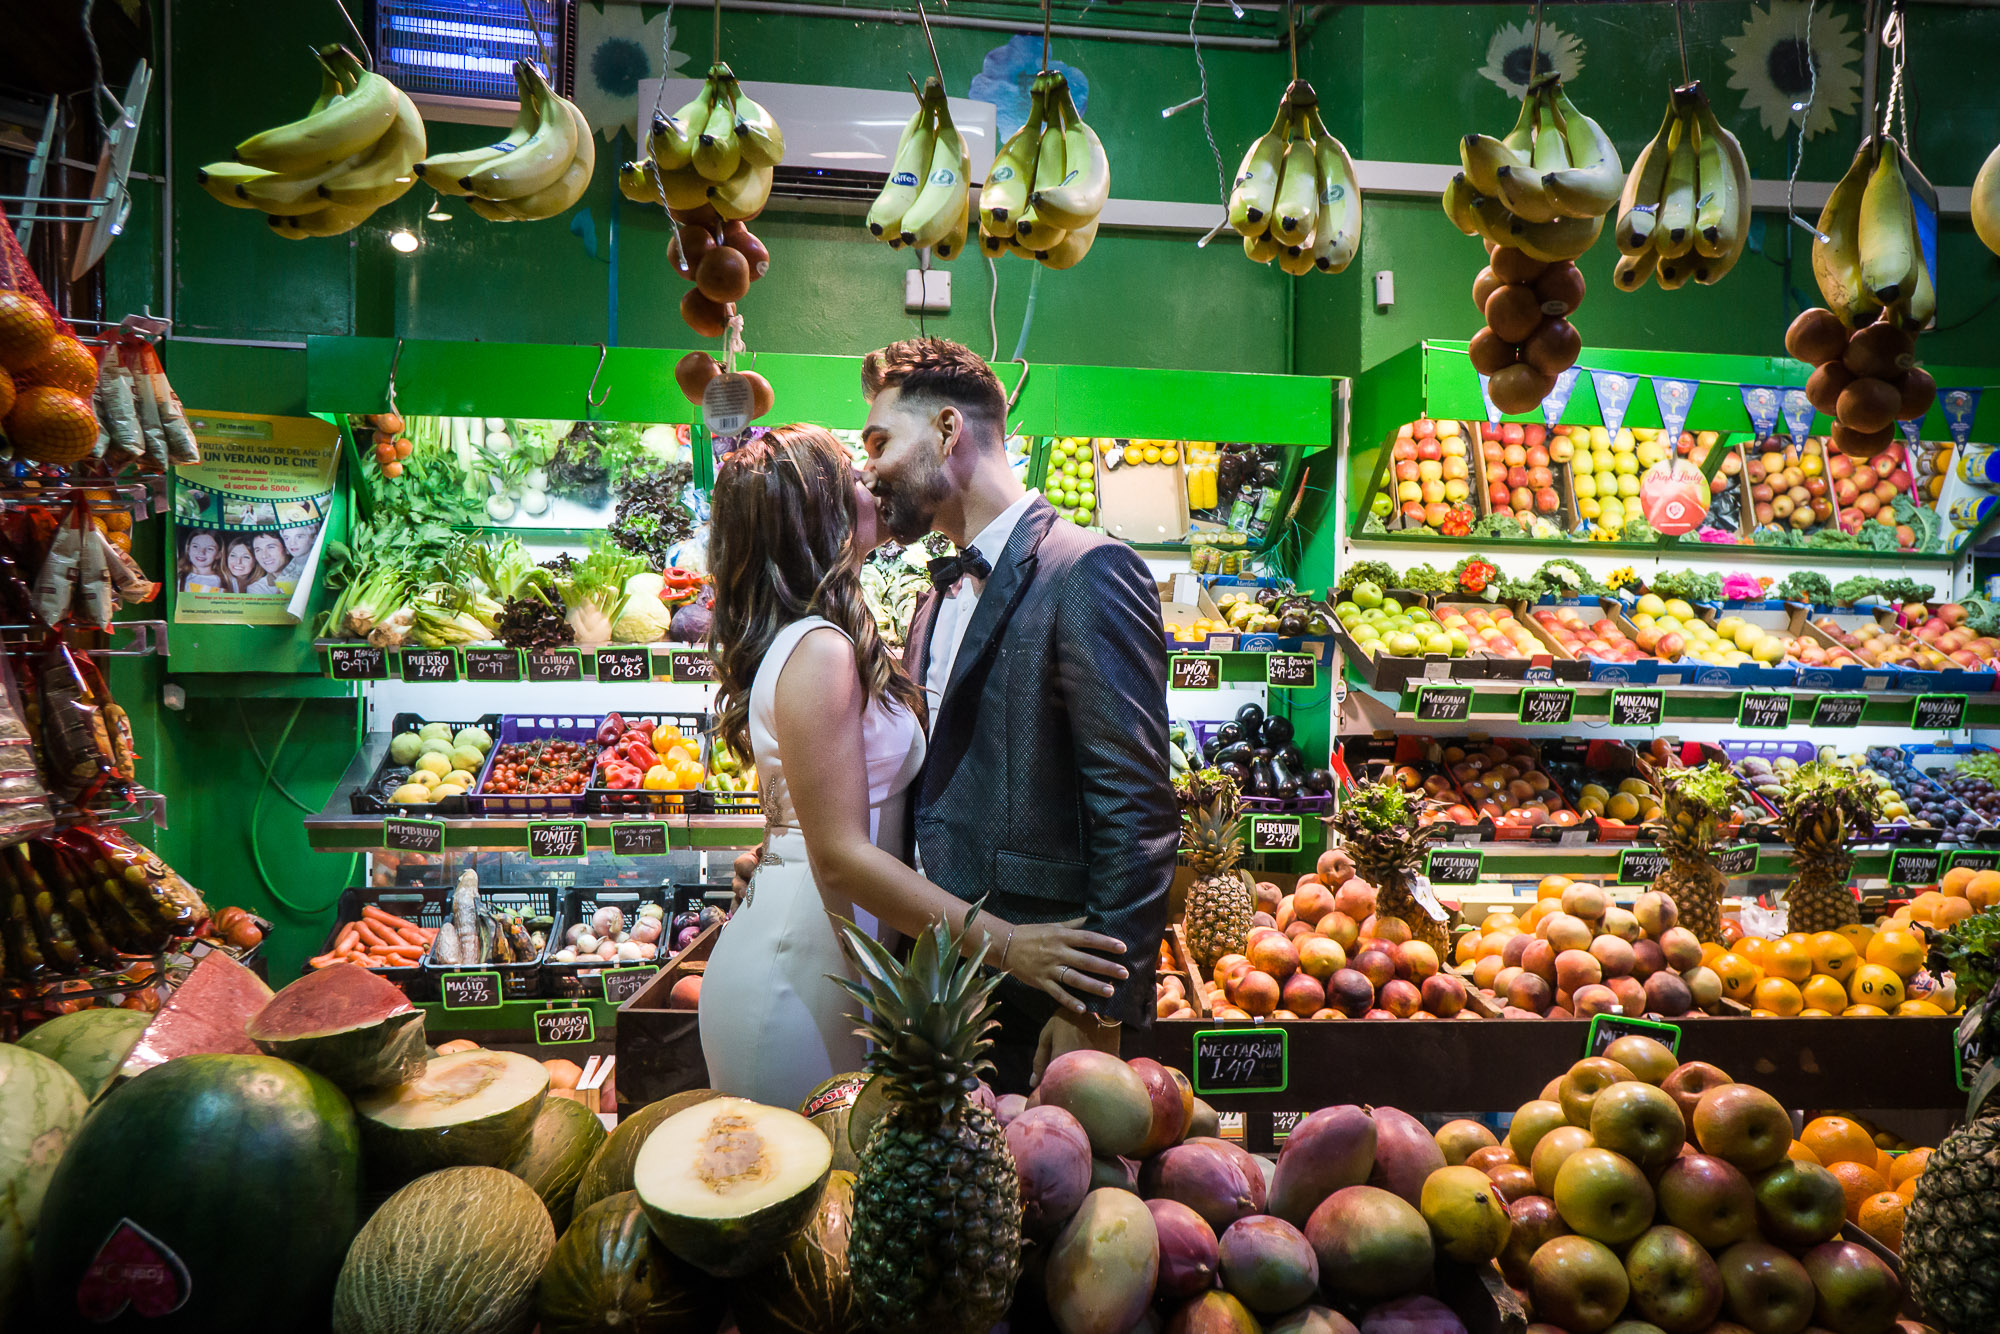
point(132, 1268)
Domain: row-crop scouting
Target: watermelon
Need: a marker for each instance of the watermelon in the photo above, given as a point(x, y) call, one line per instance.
point(610, 1170)
point(213, 1192)
point(352, 1026)
point(469, 1109)
point(559, 1146)
point(829, 1107)
point(806, 1289)
point(206, 1014)
point(90, 1044)
point(609, 1276)
point(454, 1252)
point(40, 1109)
point(727, 1182)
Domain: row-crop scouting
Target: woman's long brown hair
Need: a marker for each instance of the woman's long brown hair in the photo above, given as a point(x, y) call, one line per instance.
point(780, 548)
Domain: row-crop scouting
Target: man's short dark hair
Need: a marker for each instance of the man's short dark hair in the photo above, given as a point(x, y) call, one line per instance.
point(940, 371)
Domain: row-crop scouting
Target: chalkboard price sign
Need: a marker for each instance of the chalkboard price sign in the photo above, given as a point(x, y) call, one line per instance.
point(470, 991)
point(1976, 859)
point(1190, 671)
point(413, 835)
point(638, 840)
point(357, 662)
point(690, 668)
point(1276, 833)
point(622, 984)
point(429, 664)
point(1637, 708)
point(1640, 866)
point(556, 839)
point(1291, 671)
point(1606, 1029)
point(1454, 866)
point(624, 664)
point(575, 1024)
point(1915, 866)
point(1444, 704)
point(1763, 708)
point(1937, 713)
point(1739, 860)
point(492, 664)
point(1241, 1060)
point(1838, 710)
point(1547, 705)
point(555, 664)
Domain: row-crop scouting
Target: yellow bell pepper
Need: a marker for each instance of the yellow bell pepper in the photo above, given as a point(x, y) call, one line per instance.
point(657, 779)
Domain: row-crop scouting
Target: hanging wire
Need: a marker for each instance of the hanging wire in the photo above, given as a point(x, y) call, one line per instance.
point(1805, 118)
point(1680, 36)
point(590, 395)
point(718, 34)
point(1207, 129)
point(1535, 44)
point(368, 56)
point(666, 59)
point(1895, 112)
point(535, 28)
point(1292, 32)
point(931, 42)
point(1045, 34)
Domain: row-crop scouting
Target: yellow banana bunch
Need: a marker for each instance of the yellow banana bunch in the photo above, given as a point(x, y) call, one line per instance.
point(1874, 259)
point(1545, 186)
point(354, 150)
point(1684, 210)
point(1986, 202)
point(538, 170)
point(1295, 200)
point(720, 151)
point(1048, 183)
point(926, 201)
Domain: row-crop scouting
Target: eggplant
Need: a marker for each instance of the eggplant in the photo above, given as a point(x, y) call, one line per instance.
point(1235, 753)
point(1277, 730)
point(1230, 733)
point(1236, 772)
point(1267, 596)
point(1250, 716)
point(1284, 781)
point(1294, 758)
point(1267, 777)
point(1210, 749)
point(1319, 782)
point(1292, 625)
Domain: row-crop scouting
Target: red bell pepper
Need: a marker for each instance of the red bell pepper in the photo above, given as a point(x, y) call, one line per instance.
point(641, 756)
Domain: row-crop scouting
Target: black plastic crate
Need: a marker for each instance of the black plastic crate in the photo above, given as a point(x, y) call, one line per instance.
point(423, 904)
point(690, 897)
point(637, 803)
point(584, 980)
point(365, 802)
point(518, 981)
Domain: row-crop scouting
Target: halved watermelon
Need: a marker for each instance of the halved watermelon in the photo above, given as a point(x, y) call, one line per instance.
point(725, 1184)
point(564, 1137)
point(469, 1109)
point(608, 1275)
point(350, 1025)
point(610, 1169)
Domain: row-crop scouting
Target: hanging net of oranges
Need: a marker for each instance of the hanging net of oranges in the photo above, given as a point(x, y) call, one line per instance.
point(47, 376)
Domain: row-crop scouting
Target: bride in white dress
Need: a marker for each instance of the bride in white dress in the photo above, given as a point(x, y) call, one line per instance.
point(835, 726)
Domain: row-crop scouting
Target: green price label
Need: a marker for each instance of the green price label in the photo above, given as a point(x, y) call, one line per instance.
point(1242, 1060)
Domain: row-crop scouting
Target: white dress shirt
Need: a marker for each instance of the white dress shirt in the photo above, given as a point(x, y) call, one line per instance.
point(955, 610)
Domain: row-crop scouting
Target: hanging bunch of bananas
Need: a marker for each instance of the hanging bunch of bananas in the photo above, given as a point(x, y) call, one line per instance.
point(927, 201)
point(720, 150)
point(1545, 187)
point(1048, 183)
point(1295, 199)
point(541, 168)
point(1869, 256)
point(323, 174)
point(1685, 209)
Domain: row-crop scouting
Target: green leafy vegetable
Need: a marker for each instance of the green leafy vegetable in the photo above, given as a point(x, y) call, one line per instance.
point(1689, 585)
point(1376, 572)
point(1806, 586)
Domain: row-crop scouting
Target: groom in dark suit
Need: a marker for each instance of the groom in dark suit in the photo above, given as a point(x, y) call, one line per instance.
point(1046, 790)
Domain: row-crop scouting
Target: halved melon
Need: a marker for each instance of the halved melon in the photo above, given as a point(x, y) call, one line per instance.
point(469, 1109)
point(348, 1024)
point(610, 1169)
point(725, 1184)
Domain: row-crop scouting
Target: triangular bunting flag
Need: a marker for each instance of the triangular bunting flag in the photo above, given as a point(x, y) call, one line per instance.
point(1676, 400)
point(1761, 402)
point(1798, 410)
point(1558, 399)
point(1614, 397)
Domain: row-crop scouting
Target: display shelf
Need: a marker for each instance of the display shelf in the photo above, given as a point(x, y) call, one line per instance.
point(1665, 548)
point(356, 660)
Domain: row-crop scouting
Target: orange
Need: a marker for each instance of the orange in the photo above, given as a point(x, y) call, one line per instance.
point(1711, 951)
point(1865, 1011)
point(1839, 1139)
point(1908, 1190)
point(1779, 996)
point(1919, 1007)
point(1824, 993)
point(1834, 955)
point(1881, 1217)
point(1789, 958)
point(1814, 1012)
point(1924, 906)
point(1739, 976)
point(1885, 1164)
point(1983, 890)
point(1955, 880)
point(1858, 935)
point(1552, 887)
point(1800, 1152)
point(1906, 1166)
point(1752, 948)
point(1874, 984)
point(1857, 1183)
point(1950, 912)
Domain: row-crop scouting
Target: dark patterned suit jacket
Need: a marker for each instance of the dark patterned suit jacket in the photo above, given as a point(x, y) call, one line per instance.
point(1046, 791)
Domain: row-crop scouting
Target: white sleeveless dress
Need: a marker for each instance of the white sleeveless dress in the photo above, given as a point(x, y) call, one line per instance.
point(773, 1025)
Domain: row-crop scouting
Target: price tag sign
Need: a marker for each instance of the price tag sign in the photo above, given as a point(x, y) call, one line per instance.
point(1838, 710)
point(1276, 833)
point(1915, 866)
point(1291, 671)
point(357, 662)
point(1195, 671)
point(1976, 859)
point(554, 1027)
point(1241, 1060)
point(624, 664)
point(1454, 866)
point(492, 664)
point(622, 984)
point(470, 991)
point(1638, 708)
point(1640, 866)
point(727, 404)
point(556, 840)
point(1739, 860)
point(690, 668)
point(638, 840)
point(1763, 708)
point(413, 835)
point(555, 664)
point(1606, 1029)
point(429, 664)
point(1444, 704)
point(1937, 713)
point(1547, 705)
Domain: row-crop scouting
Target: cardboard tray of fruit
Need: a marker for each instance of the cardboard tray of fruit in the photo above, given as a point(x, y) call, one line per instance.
point(659, 1032)
point(1177, 989)
point(1452, 775)
point(1625, 653)
point(373, 797)
point(1396, 672)
point(1516, 472)
point(1945, 633)
point(1426, 479)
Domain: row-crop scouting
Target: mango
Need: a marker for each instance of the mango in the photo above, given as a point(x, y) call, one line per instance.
point(1105, 1095)
point(1206, 1179)
point(1103, 1266)
point(1217, 1313)
point(1188, 1251)
point(1332, 1148)
point(1467, 1219)
point(1405, 1154)
point(1370, 1244)
point(1268, 1263)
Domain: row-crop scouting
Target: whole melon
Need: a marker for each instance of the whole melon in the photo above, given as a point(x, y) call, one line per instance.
point(806, 1289)
point(455, 1252)
point(610, 1168)
point(90, 1044)
point(40, 1109)
point(203, 1194)
point(608, 1276)
point(565, 1136)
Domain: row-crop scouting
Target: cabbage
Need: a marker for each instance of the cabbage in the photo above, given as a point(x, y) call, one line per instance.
point(645, 619)
point(645, 584)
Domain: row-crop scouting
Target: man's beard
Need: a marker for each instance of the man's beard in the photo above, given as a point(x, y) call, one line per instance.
point(909, 506)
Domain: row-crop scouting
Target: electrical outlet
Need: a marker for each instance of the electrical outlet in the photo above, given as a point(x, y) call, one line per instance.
point(928, 291)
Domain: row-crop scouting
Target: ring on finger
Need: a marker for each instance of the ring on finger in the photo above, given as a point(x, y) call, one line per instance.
point(1061, 973)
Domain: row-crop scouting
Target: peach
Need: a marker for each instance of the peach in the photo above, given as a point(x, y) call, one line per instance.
point(1565, 931)
point(1257, 993)
point(1338, 927)
point(1613, 955)
point(1539, 958)
point(1415, 961)
point(1596, 999)
point(1311, 902)
point(1681, 947)
point(1584, 900)
point(1320, 956)
point(1356, 898)
point(1401, 998)
point(1274, 954)
point(1576, 969)
point(1391, 930)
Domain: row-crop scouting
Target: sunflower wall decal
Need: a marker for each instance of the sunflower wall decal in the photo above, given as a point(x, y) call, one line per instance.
point(1004, 77)
point(1773, 66)
point(617, 46)
point(1507, 56)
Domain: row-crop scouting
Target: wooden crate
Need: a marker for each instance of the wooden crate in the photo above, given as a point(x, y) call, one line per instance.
point(659, 1050)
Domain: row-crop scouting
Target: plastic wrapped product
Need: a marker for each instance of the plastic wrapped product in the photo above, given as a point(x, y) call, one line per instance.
point(95, 600)
point(55, 586)
point(119, 436)
point(126, 577)
point(181, 444)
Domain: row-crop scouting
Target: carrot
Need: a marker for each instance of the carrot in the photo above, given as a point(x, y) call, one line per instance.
point(323, 960)
point(374, 934)
point(412, 935)
point(348, 935)
point(387, 919)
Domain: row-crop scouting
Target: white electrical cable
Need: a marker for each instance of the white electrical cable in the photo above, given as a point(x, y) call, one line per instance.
point(992, 308)
point(1805, 116)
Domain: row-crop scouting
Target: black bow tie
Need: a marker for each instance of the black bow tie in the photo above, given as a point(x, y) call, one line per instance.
point(948, 570)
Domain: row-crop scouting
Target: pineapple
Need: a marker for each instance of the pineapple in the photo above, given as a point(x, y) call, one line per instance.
point(1379, 822)
point(1221, 900)
point(935, 1245)
point(1823, 805)
point(1695, 800)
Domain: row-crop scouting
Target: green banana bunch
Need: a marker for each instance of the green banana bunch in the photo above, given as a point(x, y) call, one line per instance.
point(539, 169)
point(1874, 259)
point(1047, 184)
point(1555, 164)
point(1295, 200)
point(721, 150)
point(1684, 209)
point(1986, 202)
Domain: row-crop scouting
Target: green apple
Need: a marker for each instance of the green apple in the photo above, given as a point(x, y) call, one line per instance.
point(1367, 594)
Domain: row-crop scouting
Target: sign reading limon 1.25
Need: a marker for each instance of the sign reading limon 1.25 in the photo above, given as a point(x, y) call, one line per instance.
point(1195, 671)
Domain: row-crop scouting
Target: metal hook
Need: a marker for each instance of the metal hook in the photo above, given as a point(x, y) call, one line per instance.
point(590, 394)
point(394, 362)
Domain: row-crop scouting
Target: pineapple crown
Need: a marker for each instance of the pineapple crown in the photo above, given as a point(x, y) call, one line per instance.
point(1818, 789)
point(1379, 819)
point(927, 1019)
point(1206, 791)
point(1711, 786)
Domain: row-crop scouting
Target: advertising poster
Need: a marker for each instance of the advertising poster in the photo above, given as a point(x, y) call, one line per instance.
point(247, 518)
